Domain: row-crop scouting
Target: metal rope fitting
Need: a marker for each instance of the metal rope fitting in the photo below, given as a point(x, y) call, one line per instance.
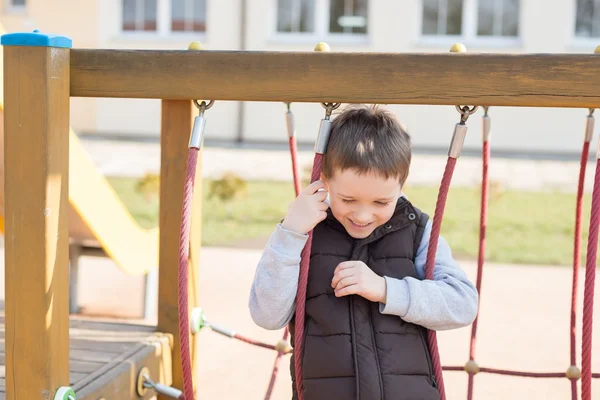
point(144, 383)
point(325, 128)
point(589, 126)
point(197, 136)
point(487, 126)
point(460, 131)
point(323, 136)
point(289, 122)
point(458, 140)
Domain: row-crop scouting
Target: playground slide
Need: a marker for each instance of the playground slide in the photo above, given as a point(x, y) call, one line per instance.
point(97, 217)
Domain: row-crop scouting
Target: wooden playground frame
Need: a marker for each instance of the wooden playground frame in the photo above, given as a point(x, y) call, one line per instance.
point(39, 82)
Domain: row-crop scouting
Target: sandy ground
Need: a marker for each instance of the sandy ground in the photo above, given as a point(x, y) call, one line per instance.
point(524, 325)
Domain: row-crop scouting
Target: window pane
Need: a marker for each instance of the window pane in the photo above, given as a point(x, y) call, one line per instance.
point(295, 15)
point(348, 16)
point(129, 15)
point(199, 15)
point(150, 11)
point(485, 18)
point(18, 3)
point(510, 18)
point(442, 17)
point(178, 15)
point(454, 19)
point(430, 17)
point(587, 19)
point(498, 18)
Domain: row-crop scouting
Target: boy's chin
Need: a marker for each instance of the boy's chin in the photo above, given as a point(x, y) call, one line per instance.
point(358, 233)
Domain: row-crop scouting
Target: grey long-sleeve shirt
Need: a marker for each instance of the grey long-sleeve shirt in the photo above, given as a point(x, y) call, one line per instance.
point(449, 301)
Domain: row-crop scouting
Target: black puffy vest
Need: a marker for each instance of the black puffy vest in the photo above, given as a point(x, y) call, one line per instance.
point(351, 350)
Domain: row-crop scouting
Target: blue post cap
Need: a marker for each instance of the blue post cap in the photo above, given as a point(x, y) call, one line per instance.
point(35, 39)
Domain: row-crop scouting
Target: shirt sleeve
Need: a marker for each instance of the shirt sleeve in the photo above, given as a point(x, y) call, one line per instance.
point(273, 291)
point(449, 301)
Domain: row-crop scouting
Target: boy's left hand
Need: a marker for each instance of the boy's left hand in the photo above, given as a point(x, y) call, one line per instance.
point(355, 277)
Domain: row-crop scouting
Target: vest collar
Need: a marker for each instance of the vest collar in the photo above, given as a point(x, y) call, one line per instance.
point(404, 214)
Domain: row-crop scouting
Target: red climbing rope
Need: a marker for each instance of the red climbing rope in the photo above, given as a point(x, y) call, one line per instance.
point(301, 292)
point(430, 263)
point(576, 255)
point(275, 370)
point(588, 296)
point(297, 189)
point(481, 255)
point(184, 247)
point(294, 153)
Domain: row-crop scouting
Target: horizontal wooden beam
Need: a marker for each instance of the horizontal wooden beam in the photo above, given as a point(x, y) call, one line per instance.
point(533, 80)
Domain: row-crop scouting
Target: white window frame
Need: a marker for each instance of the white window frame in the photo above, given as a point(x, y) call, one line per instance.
point(582, 43)
point(468, 35)
point(321, 33)
point(9, 7)
point(163, 26)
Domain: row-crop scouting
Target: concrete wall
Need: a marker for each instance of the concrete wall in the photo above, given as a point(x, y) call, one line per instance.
point(75, 19)
point(393, 26)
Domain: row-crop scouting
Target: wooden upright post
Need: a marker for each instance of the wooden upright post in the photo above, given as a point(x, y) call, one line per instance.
point(36, 156)
point(176, 127)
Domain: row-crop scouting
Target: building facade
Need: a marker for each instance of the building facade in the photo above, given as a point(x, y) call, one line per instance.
point(499, 26)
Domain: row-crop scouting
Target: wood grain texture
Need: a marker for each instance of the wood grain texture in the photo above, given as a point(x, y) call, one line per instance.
point(36, 154)
point(543, 80)
point(106, 358)
point(176, 127)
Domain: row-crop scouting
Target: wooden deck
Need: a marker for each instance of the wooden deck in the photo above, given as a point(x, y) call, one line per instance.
point(106, 357)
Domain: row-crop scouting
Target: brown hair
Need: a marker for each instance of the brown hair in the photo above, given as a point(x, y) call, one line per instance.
point(368, 139)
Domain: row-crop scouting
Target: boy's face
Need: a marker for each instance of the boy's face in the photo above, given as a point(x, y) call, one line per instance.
point(362, 202)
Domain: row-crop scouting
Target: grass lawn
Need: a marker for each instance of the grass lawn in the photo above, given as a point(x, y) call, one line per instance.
point(523, 227)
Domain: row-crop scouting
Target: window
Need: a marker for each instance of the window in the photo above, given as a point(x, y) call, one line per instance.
point(442, 17)
point(296, 16)
point(587, 18)
point(471, 19)
point(348, 16)
point(336, 17)
point(16, 4)
point(188, 15)
point(164, 17)
point(139, 15)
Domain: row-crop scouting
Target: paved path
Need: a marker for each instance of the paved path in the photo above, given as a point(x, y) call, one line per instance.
point(524, 326)
point(122, 158)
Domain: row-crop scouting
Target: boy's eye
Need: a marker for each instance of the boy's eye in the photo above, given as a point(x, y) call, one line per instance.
point(347, 201)
point(381, 203)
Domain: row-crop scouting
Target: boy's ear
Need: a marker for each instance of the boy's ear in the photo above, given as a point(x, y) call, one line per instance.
point(322, 178)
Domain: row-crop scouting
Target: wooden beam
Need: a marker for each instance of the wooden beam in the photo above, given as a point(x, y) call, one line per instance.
point(176, 127)
point(536, 80)
point(36, 154)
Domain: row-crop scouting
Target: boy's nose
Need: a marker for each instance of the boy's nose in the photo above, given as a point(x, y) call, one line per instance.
point(362, 218)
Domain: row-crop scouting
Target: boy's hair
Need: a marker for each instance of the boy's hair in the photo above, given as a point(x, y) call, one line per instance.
point(368, 139)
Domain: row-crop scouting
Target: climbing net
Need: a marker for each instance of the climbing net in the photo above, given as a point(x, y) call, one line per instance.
point(573, 373)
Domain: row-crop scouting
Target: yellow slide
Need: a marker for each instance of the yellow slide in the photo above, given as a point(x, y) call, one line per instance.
point(97, 217)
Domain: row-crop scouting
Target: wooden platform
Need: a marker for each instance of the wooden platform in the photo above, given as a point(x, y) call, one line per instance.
point(106, 357)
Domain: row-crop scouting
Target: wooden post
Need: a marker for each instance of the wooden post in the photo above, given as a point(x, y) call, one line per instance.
point(36, 154)
point(176, 127)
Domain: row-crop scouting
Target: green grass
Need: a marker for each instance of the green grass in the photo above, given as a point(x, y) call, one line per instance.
point(523, 227)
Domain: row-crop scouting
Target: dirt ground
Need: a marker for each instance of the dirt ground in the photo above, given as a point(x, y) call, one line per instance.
point(524, 325)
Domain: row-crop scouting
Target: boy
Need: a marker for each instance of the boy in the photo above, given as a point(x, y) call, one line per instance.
point(367, 301)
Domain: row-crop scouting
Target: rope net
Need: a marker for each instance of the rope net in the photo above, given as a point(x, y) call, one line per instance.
point(573, 373)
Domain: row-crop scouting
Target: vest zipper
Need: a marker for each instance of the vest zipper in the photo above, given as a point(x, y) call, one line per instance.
point(376, 354)
point(353, 340)
point(428, 356)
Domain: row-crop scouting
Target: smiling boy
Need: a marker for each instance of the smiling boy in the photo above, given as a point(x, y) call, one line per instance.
point(367, 305)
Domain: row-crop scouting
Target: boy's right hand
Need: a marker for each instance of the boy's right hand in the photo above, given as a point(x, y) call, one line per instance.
point(307, 210)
